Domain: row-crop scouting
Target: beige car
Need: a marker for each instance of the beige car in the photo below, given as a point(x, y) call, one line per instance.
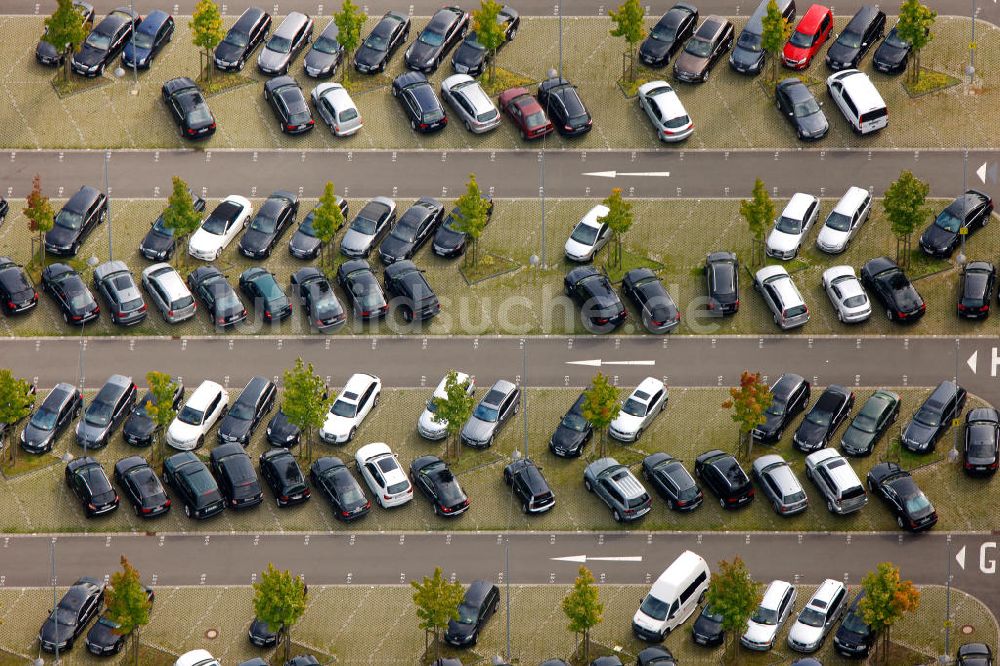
point(710, 42)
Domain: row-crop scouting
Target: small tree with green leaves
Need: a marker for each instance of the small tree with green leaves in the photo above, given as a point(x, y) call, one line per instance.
point(904, 203)
point(206, 33)
point(774, 33)
point(160, 407)
point(583, 608)
point(453, 410)
point(180, 216)
point(619, 219)
point(305, 401)
point(41, 217)
point(473, 214)
point(759, 212)
point(629, 24)
point(601, 406)
point(65, 30)
point(279, 599)
point(887, 598)
point(350, 19)
point(733, 594)
point(437, 601)
point(489, 31)
point(16, 401)
point(748, 402)
point(128, 605)
point(327, 220)
point(914, 27)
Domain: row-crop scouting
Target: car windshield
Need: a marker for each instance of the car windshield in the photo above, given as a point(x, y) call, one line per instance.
point(654, 608)
point(326, 45)
point(801, 39)
point(679, 121)
point(364, 225)
point(536, 119)
point(467, 614)
point(917, 504)
point(63, 616)
point(864, 423)
point(575, 422)
point(216, 224)
point(161, 227)
point(851, 40)
point(348, 114)
point(486, 413)
point(584, 234)
point(838, 222)
point(269, 289)
point(264, 224)
point(486, 116)
point(68, 219)
point(237, 39)
point(44, 419)
point(788, 225)
point(99, 41)
point(812, 617)
point(819, 417)
point(709, 614)
point(99, 413)
point(663, 33)
point(405, 232)
point(431, 38)
point(765, 616)
point(376, 42)
point(324, 303)
point(633, 407)
point(143, 40)
point(350, 493)
point(279, 44)
point(777, 408)
point(307, 225)
point(894, 40)
point(396, 488)
point(855, 301)
point(855, 624)
point(806, 107)
point(749, 41)
point(948, 221)
point(928, 417)
point(699, 47)
point(190, 415)
point(344, 408)
point(198, 113)
point(242, 411)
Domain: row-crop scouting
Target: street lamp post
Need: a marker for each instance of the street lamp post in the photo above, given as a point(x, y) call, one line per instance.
point(541, 190)
point(107, 199)
point(135, 61)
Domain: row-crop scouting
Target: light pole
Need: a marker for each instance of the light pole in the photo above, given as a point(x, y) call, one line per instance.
point(541, 190)
point(946, 658)
point(55, 613)
point(524, 393)
point(135, 61)
point(559, 9)
point(506, 580)
point(107, 199)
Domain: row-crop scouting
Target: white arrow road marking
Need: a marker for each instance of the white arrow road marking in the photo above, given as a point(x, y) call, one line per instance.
point(960, 557)
point(596, 362)
point(971, 361)
point(615, 174)
point(582, 559)
point(981, 171)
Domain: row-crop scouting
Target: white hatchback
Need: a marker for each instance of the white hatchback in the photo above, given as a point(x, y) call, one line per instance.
point(337, 109)
point(200, 412)
point(380, 469)
point(661, 103)
point(220, 228)
point(426, 425)
point(847, 295)
point(639, 409)
point(355, 402)
point(589, 235)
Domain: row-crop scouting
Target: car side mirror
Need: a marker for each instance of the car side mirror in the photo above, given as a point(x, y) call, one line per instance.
point(790, 114)
point(821, 103)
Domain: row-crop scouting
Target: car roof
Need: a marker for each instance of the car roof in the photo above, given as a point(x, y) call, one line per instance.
point(358, 383)
point(798, 205)
point(851, 201)
point(812, 17)
point(478, 589)
point(774, 593)
point(865, 15)
point(864, 94)
point(710, 27)
point(248, 19)
point(205, 392)
point(786, 383)
point(439, 390)
point(824, 594)
point(291, 25)
point(649, 385)
point(598, 211)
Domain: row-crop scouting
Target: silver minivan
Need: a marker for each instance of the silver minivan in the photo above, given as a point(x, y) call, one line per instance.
point(168, 292)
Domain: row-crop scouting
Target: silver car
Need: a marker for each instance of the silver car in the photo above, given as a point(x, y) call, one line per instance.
point(168, 292)
point(847, 295)
point(125, 304)
point(369, 227)
point(286, 42)
point(780, 485)
point(493, 411)
point(337, 109)
point(471, 103)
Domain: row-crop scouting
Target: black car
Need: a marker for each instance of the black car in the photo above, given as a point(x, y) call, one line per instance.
point(88, 481)
point(471, 57)
point(262, 288)
point(897, 488)
point(324, 57)
point(481, 601)
point(142, 487)
point(572, 433)
point(275, 215)
point(668, 35)
point(439, 485)
point(409, 288)
point(722, 275)
point(159, 243)
point(194, 485)
point(449, 241)
point(412, 230)
point(237, 479)
point(601, 309)
point(105, 42)
point(655, 655)
point(892, 55)
point(657, 308)
point(319, 302)
point(331, 477)
point(289, 105)
point(392, 30)
point(828, 412)
point(854, 637)
point(871, 422)
point(105, 412)
point(63, 404)
point(261, 634)
point(420, 102)
point(219, 298)
point(970, 211)
point(249, 31)
point(81, 604)
point(446, 28)
point(106, 636)
point(789, 395)
point(796, 102)
point(73, 223)
point(672, 482)
point(17, 294)
point(139, 428)
point(284, 477)
point(707, 628)
point(254, 403)
point(563, 105)
point(358, 280)
point(189, 109)
point(866, 27)
point(893, 289)
point(976, 290)
point(282, 432)
point(304, 244)
point(725, 478)
point(526, 480)
point(982, 441)
point(47, 54)
point(934, 417)
point(155, 32)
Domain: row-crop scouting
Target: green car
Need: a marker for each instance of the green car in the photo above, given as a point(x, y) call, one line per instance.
point(878, 413)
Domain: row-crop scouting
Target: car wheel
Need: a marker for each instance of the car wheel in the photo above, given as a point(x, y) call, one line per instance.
point(829, 506)
point(65, 317)
point(468, 128)
point(616, 515)
point(524, 507)
point(201, 442)
point(381, 67)
point(489, 442)
point(722, 503)
point(135, 510)
point(506, 477)
point(899, 521)
point(513, 34)
point(704, 79)
point(277, 502)
point(776, 508)
point(671, 505)
point(413, 125)
point(777, 320)
point(351, 434)
point(187, 510)
point(395, 93)
point(218, 253)
point(888, 313)
point(586, 484)
point(638, 434)
point(240, 63)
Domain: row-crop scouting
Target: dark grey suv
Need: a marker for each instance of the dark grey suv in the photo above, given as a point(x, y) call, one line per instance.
point(115, 284)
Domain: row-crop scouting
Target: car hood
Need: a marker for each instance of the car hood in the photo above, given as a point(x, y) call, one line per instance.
point(50, 634)
point(337, 425)
point(140, 52)
point(419, 53)
point(746, 57)
point(626, 422)
point(46, 50)
point(255, 240)
point(813, 123)
point(319, 60)
point(203, 241)
point(803, 633)
point(447, 238)
point(576, 249)
point(368, 56)
point(840, 53)
point(272, 59)
point(470, 57)
point(918, 433)
point(937, 238)
point(36, 438)
point(654, 48)
point(567, 439)
point(355, 241)
point(225, 52)
point(90, 433)
point(139, 426)
point(157, 242)
point(890, 55)
point(478, 430)
point(281, 430)
point(810, 433)
point(856, 440)
point(102, 635)
point(771, 423)
point(89, 56)
point(459, 630)
point(60, 236)
point(829, 237)
point(760, 633)
point(183, 432)
point(428, 424)
point(304, 242)
point(395, 248)
point(234, 427)
point(690, 64)
point(779, 240)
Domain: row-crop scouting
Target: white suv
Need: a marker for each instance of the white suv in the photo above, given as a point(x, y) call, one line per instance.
point(859, 100)
point(193, 421)
point(639, 409)
point(766, 621)
point(836, 479)
point(426, 425)
point(781, 296)
point(818, 616)
point(660, 102)
point(381, 470)
point(589, 235)
point(844, 220)
point(353, 404)
point(792, 226)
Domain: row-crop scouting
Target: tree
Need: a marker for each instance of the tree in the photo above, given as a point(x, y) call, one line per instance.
point(180, 216)
point(775, 32)
point(279, 599)
point(886, 600)
point(437, 602)
point(454, 409)
point(41, 217)
point(759, 213)
point(619, 220)
point(904, 204)
point(128, 605)
point(161, 406)
point(914, 27)
point(748, 402)
point(733, 594)
point(305, 401)
point(628, 20)
point(16, 400)
point(327, 219)
point(65, 30)
point(350, 19)
point(206, 32)
point(600, 406)
point(583, 608)
point(489, 31)
point(473, 214)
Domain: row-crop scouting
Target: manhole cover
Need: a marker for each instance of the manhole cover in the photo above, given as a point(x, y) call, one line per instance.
point(967, 629)
point(212, 634)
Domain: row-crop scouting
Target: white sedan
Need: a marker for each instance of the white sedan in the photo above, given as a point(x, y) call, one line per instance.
point(337, 109)
point(847, 295)
point(639, 409)
point(353, 404)
point(381, 470)
point(589, 235)
point(220, 228)
point(426, 425)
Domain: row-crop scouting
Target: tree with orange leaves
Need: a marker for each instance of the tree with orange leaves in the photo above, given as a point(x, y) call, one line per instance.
point(887, 598)
point(748, 402)
point(40, 216)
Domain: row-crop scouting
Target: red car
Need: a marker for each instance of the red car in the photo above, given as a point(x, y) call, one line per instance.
point(526, 112)
point(810, 34)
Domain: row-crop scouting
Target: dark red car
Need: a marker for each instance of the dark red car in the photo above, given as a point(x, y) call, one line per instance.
point(809, 35)
point(526, 112)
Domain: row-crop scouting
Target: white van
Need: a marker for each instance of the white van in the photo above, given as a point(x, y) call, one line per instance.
point(859, 100)
point(673, 597)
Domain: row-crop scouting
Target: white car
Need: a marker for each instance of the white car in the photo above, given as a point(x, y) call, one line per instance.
point(355, 402)
point(792, 226)
point(193, 421)
point(844, 220)
point(336, 108)
point(471, 103)
point(426, 425)
point(589, 235)
point(818, 616)
point(220, 228)
point(847, 295)
point(775, 607)
point(639, 409)
point(196, 658)
point(661, 103)
point(385, 477)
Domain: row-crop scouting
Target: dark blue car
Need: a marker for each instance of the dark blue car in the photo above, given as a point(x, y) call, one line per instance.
point(153, 34)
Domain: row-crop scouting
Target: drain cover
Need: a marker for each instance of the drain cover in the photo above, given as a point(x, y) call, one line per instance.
point(967, 629)
point(212, 634)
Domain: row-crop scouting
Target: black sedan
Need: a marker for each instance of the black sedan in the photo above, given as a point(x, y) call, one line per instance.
point(139, 427)
point(332, 478)
point(17, 294)
point(827, 413)
point(249, 32)
point(982, 441)
point(324, 57)
point(188, 108)
point(655, 655)
point(261, 634)
point(725, 478)
point(435, 480)
point(237, 479)
point(445, 29)
point(276, 214)
point(262, 288)
point(707, 628)
point(976, 290)
point(668, 35)
point(142, 487)
point(304, 244)
point(88, 481)
point(412, 230)
point(420, 102)
point(897, 488)
point(216, 294)
point(897, 294)
point(963, 216)
point(47, 54)
point(81, 604)
point(526, 480)
point(572, 433)
point(155, 32)
point(471, 57)
point(159, 243)
point(289, 105)
point(284, 477)
point(409, 288)
point(282, 432)
point(796, 102)
point(601, 309)
point(562, 103)
point(388, 34)
point(722, 275)
point(358, 280)
point(656, 307)
point(319, 302)
point(106, 636)
point(105, 42)
point(892, 55)
point(449, 241)
point(672, 481)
